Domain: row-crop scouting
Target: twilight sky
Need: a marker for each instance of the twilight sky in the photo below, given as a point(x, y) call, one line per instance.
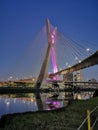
point(21, 20)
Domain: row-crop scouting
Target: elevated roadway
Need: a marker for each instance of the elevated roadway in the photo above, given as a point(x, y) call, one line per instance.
point(89, 61)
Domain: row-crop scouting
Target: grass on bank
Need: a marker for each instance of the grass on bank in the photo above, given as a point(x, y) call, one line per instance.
point(68, 118)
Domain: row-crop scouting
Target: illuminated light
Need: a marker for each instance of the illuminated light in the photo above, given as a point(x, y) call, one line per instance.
point(55, 103)
point(7, 103)
point(88, 49)
point(52, 36)
point(32, 100)
point(79, 96)
point(54, 78)
point(79, 61)
point(52, 105)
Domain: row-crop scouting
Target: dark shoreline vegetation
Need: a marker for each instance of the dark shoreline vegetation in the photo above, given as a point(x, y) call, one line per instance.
point(68, 118)
point(14, 90)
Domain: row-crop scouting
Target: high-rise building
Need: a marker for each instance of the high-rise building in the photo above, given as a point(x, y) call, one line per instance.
point(78, 76)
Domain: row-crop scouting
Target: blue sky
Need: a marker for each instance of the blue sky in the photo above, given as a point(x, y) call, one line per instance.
point(21, 20)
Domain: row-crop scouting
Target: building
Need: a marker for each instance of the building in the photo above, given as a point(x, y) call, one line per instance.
point(78, 76)
point(68, 77)
point(28, 80)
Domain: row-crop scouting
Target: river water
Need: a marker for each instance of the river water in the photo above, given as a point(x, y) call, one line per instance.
point(17, 103)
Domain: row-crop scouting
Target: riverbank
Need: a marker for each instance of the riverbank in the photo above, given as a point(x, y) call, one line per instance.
point(68, 118)
point(14, 90)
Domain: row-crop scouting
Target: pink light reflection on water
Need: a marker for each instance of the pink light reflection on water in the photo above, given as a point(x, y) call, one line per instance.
point(51, 105)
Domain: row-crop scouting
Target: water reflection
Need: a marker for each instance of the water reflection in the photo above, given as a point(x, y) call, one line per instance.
point(52, 104)
point(53, 101)
point(39, 101)
point(16, 103)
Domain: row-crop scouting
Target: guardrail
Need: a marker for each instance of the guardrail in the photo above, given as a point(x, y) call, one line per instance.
point(88, 119)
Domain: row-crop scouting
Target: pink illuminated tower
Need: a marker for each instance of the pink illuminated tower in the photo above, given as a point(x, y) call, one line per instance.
point(50, 50)
point(53, 53)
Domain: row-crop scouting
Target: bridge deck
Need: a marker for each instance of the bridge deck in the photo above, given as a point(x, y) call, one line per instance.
point(89, 61)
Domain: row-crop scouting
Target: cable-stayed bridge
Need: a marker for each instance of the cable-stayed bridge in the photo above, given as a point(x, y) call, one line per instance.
point(51, 35)
point(60, 56)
